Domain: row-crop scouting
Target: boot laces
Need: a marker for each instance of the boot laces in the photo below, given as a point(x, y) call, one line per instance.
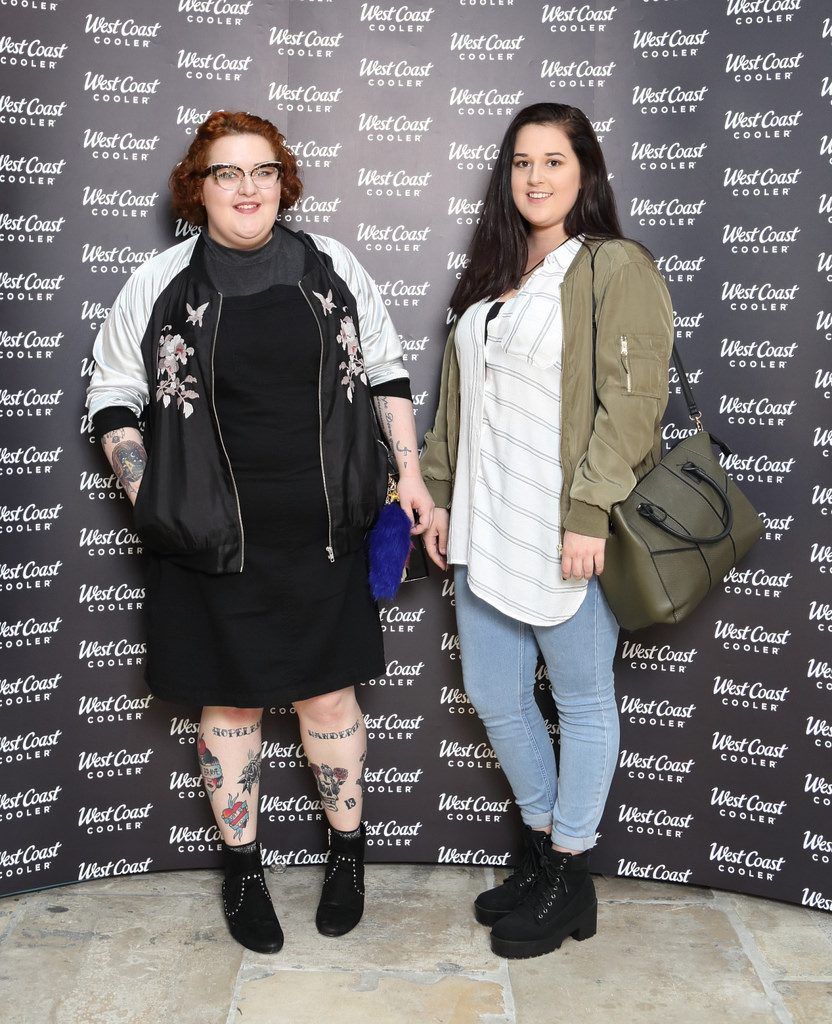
point(525, 873)
point(550, 883)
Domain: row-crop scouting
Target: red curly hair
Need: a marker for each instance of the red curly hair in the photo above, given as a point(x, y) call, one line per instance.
point(186, 178)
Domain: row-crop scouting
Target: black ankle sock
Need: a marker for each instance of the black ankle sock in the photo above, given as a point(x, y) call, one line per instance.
point(247, 848)
point(354, 834)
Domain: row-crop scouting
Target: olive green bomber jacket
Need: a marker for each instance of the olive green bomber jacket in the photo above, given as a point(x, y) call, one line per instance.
point(609, 439)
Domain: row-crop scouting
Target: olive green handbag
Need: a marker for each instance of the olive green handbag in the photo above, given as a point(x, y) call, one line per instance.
point(682, 528)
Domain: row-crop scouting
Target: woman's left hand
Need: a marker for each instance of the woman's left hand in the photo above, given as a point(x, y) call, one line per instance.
point(415, 497)
point(582, 556)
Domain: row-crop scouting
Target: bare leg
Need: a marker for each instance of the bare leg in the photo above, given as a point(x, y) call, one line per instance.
point(228, 748)
point(335, 739)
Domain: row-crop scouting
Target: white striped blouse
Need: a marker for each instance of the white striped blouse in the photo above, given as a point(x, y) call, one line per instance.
point(505, 511)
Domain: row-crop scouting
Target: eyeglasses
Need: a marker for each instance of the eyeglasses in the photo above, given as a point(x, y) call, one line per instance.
point(230, 177)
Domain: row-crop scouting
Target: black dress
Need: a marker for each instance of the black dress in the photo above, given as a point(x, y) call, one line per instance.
point(292, 624)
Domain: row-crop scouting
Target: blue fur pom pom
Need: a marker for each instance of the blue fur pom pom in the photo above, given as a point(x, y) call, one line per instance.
point(388, 547)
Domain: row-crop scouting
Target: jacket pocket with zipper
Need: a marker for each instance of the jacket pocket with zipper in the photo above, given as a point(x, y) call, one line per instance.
point(641, 367)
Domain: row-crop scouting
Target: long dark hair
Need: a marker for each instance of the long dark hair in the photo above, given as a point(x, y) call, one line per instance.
point(499, 249)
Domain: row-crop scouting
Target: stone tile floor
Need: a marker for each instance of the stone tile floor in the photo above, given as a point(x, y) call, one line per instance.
point(153, 949)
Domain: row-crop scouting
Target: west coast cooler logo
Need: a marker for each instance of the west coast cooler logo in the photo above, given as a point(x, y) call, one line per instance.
point(759, 240)
point(401, 74)
point(111, 653)
point(28, 402)
point(392, 833)
point(99, 821)
point(746, 863)
point(29, 689)
point(31, 575)
point(393, 127)
point(391, 780)
point(29, 461)
point(212, 67)
point(31, 53)
point(484, 102)
point(672, 43)
point(761, 182)
point(574, 18)
point(124, 259)
point(390, 238)
point(750, 639)
point(112, 868)
point(777, 13)
point(748, 750)
point(120, 32)
point(28, 746)
point(223, 13)
point(309, 99)
point(655, 767)
point(662, 713)
point(304, 43)
point(472, 808)
point(750, 696)
point(113, 763)
point(452, 855)
point(118, 145)
point(108, 543)
point(395, 17)
point(392, 726)
point(656, 658)
point(493, 47)
point(31, 111)
point(669, 99)
point(657, 872)
point(467, 755)
point(760, 125)
point(756, 582)
point(111, 709)
point(29, 170)
point(576, 74)
point(293, 808)
point(673, 212)
point(395, 184)
point(762, 67)
point(398, 674)
point(27, 860)
point(120, 89)
point(316, 154)
point(29, 632)
point(28, 803)
point(30, 228)
point(757, 355)
point(648, 821)
point(667, 156)
point(746, 806)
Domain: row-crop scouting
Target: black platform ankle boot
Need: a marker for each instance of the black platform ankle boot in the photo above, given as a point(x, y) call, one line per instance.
point(246, 900)
point(495, 903)
point(342, 897)
point(561, 902)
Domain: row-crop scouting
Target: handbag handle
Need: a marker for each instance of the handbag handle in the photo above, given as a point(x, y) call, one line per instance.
point(687, 391)
point(650, 512)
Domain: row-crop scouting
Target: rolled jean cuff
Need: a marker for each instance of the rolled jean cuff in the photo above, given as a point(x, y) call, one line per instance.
point(536, 820)
point(572, 843)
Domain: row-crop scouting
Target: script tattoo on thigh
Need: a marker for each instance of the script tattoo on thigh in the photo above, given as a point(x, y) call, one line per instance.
point(251, 773)
point(342, 735)
point(243, 730)
point(329, 782)
point(211, 767)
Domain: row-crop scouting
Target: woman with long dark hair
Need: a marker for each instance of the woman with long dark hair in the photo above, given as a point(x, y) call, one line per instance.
point(538, 434)
point(264, 367)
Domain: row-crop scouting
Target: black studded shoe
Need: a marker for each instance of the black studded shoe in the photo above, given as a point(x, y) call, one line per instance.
point(342, 898)
point(248, 906)
point(495, 903)
point(561, 902)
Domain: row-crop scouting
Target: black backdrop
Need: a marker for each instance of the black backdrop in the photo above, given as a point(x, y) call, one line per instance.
point(715, 120)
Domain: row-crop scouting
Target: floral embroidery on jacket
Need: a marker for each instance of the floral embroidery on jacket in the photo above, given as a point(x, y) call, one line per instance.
point(326, 302)
point(354, 365)
point(173, 353)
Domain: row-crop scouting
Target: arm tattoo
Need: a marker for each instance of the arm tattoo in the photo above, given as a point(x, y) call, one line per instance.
point(243, 730)
point(129, 460)
point(403, 450)
point(329, 782)
point(335, 735)
point(385, 417)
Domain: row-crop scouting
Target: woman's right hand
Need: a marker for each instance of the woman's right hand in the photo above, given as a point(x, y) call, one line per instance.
point(436, 537)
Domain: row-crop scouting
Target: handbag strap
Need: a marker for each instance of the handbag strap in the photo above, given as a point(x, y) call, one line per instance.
point(687, 391)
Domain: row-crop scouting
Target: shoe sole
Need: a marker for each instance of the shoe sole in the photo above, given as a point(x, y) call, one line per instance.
point(583, 927)
point(488, 917)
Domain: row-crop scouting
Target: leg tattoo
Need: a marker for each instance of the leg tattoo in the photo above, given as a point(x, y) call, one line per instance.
point(329, 782)
point(235, 815)
point(211, 767)
point(335, 735)
point(251, 772)
point(243, 730)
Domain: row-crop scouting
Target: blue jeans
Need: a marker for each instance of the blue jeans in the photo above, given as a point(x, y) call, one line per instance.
point(499, 656)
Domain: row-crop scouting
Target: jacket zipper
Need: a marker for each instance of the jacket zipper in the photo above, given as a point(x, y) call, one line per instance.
point(329, 551)
point(222, 443)
point(625, 361)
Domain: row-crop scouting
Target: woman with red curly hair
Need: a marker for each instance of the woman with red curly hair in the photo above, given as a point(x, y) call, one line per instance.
point(262, 363)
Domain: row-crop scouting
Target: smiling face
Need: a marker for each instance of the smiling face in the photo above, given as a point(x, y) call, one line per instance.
point(242, 218)
point(545, 177)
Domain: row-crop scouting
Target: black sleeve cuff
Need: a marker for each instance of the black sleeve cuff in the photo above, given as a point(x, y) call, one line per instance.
point(112, 418)
point(399, 387)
